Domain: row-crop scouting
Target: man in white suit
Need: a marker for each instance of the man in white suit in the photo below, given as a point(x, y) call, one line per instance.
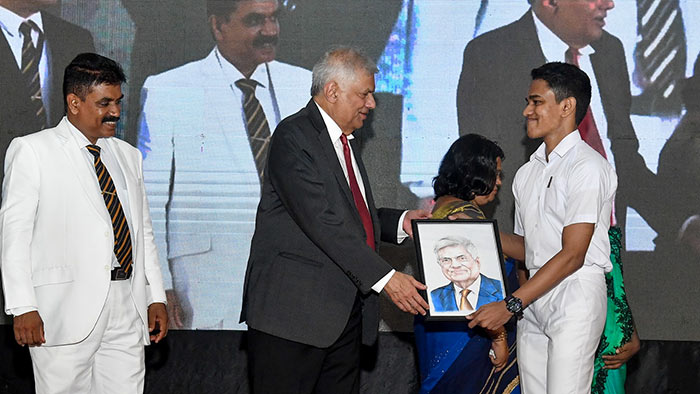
point(202, 170)
point(79, 265)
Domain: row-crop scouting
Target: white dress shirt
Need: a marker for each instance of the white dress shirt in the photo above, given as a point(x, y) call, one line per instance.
point(574, 185)
point(473, 296)
point(334, 133)
point(9, 24)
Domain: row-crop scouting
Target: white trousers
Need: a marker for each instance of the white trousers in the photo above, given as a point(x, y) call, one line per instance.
point(109, 360)
point(559, 334)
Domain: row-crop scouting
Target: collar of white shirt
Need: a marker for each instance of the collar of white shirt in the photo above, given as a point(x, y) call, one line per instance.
point(552, 46)
point(474, 289)
point(333, 129)
point(80, 141)
point(9, 21)
point(560, 150)
point(232, 74)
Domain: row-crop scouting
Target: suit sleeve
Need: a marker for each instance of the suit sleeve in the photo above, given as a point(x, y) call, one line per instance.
point(154, 290)
point(156, 146)
point(389, 221)
point(296, 177)
point(19, 207)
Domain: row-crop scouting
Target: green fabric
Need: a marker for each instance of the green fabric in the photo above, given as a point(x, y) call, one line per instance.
point(618, 324)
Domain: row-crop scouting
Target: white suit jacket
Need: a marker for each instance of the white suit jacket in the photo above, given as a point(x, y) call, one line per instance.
point(201, 177)
point(57, 237)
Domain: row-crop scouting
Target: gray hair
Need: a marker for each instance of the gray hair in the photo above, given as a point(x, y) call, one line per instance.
point(340, 64)
point(446, 242)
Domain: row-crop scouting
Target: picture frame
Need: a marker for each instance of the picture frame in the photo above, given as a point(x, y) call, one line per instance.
point(446, 266)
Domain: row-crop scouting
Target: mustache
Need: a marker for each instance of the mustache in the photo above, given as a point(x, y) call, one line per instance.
point(260, 40)
point(110, 118)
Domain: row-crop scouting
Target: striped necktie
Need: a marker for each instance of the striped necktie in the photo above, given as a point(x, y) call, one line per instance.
point(659, 57)
point(30, 72)
point(256, 124)
point(122, 236)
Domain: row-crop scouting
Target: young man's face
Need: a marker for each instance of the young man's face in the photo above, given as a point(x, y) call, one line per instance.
point(544, 115)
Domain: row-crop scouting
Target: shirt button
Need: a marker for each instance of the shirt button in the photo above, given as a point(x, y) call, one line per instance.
point(106, 233)
point(106, 268)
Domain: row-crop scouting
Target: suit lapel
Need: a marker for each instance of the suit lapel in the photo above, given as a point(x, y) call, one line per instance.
point(606, 88)
point(448, 298)
point(11, 79)
point(330, 155)
point(132, 189)
point(529, 36)
point(487, 292)
point(82, 171)
point(368, 189)
point(221, 104)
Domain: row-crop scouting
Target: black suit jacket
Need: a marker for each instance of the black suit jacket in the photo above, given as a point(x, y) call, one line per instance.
point(491, 98)
point(64, 41)
point(308, 257)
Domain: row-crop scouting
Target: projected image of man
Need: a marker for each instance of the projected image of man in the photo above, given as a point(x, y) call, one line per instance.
point(567, 31)
point(204, 131)
point(468, 289)
point(35, 48)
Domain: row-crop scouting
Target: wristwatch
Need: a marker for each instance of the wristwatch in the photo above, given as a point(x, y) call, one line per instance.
point(514, 306)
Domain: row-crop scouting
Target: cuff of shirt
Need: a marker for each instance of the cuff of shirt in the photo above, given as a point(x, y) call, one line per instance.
point(379, 286)
point(400, 234)
point(22, 310)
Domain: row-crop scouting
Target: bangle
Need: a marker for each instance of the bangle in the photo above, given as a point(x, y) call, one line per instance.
point(500, 336)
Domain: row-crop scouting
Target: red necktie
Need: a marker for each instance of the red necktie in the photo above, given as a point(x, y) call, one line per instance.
point(357, 194)
point(587, 127)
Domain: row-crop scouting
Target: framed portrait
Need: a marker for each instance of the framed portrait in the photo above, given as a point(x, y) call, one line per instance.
point(461, 263)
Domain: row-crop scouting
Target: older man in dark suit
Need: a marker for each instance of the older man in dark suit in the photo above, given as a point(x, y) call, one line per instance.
point(495, 77)
point(313, 278)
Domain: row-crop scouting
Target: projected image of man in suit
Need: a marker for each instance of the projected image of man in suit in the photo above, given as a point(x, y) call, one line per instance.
point(204, 132)
point(468, 289)
point(35, 48)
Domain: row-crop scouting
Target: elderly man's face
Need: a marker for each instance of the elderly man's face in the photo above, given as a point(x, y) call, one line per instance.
point(582, 21)
point(458, 265)
point(355, 100)
point(251, 33)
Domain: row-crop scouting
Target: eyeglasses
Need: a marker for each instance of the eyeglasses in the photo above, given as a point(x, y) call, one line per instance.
point(461, 260)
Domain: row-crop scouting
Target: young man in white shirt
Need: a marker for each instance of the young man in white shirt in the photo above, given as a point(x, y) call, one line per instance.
point(563, 203)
